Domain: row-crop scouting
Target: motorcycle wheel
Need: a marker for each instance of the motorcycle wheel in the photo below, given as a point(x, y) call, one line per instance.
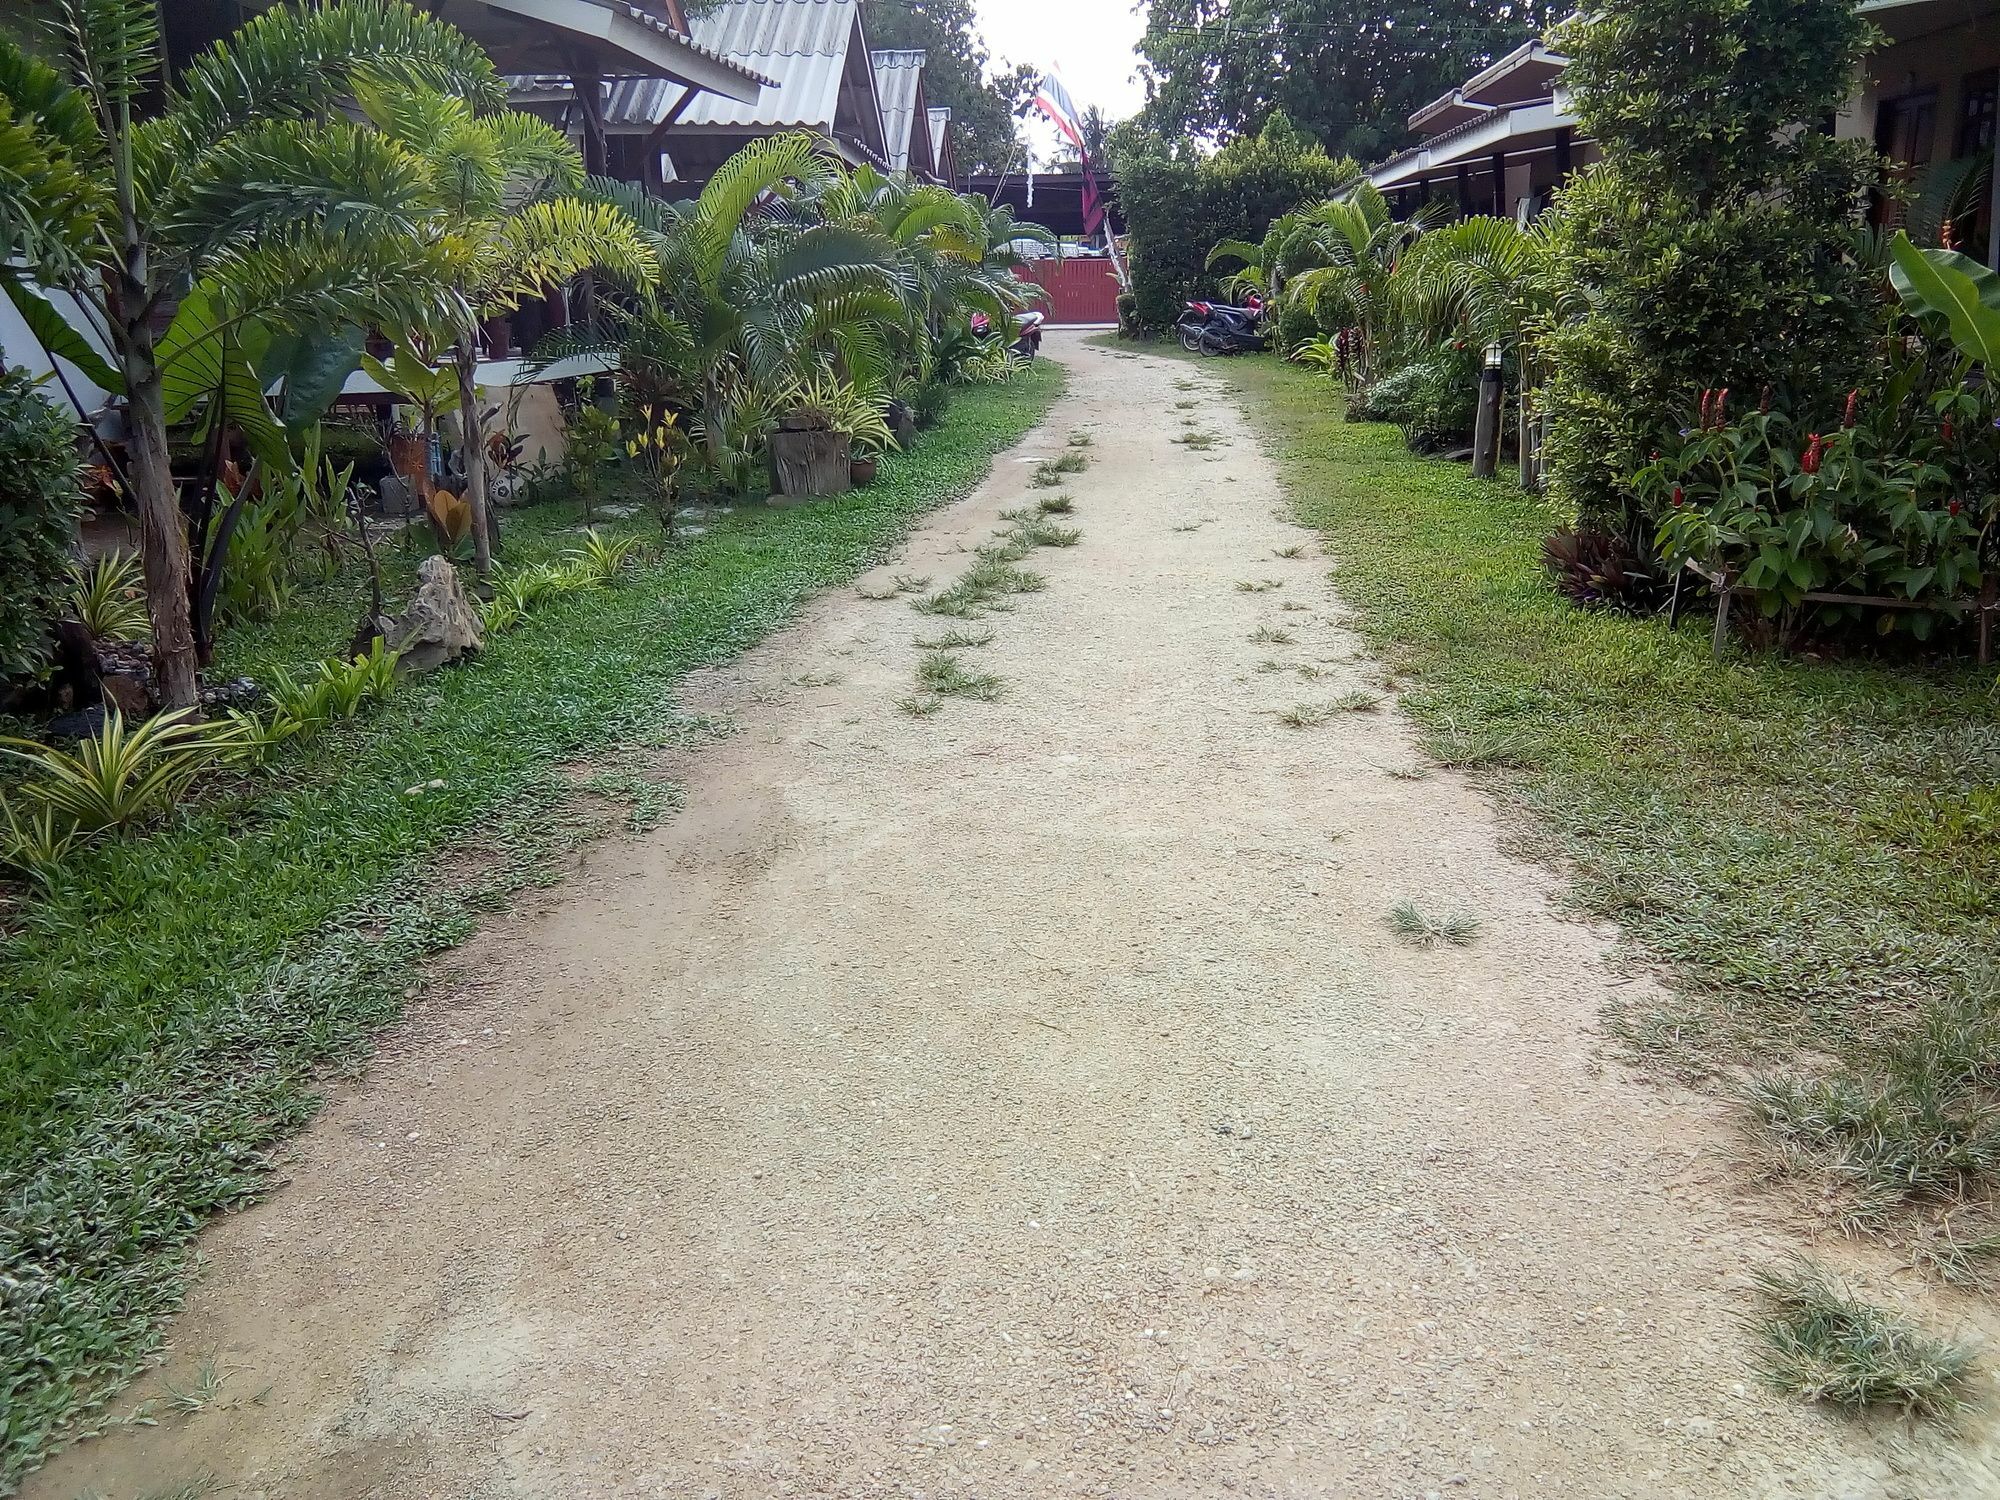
point(1214, 342)
point(1190, 339)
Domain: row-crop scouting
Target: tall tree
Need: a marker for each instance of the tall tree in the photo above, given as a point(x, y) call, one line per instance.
point(955, 74)
point(1349, 72)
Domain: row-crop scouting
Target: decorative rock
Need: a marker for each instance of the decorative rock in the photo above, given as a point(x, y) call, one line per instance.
point(440, 624)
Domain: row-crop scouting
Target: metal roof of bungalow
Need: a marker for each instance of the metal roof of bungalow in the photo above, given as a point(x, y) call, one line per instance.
point(800, 47)
point(897, 78)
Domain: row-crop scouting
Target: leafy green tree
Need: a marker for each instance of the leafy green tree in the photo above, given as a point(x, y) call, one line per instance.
point(956, 67)
point(1713, 246)
point(1179, 203)
point(1349, 72)
point(252, 182)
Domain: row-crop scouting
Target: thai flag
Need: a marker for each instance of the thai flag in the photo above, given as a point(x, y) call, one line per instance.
point(1053, 100)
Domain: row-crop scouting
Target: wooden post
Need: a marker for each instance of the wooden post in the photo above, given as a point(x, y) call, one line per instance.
point(1499, 166)
point(1465, 190)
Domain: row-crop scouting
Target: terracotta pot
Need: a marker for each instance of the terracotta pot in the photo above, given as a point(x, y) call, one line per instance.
point(864, 468)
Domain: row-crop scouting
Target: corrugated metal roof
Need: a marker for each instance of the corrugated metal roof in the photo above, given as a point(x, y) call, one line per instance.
point(896, 75)
point(800, 45)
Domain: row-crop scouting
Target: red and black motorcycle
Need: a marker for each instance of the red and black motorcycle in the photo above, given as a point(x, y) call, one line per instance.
point(1027, 332)
point(1217, 328)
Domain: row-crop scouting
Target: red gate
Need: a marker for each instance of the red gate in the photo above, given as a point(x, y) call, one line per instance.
point(1081, 289)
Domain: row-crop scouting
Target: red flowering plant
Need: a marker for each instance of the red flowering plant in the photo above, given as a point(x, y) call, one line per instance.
point(1893, 494)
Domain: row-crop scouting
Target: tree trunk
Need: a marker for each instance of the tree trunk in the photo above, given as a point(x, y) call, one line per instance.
point(472, 440)
point(163, 546)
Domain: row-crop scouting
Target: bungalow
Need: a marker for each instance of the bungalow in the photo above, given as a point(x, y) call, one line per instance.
point(1503, 140)
point(1499, 143)
point(822, 78)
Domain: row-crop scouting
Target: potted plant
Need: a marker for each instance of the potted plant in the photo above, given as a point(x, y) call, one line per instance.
point(830, 438)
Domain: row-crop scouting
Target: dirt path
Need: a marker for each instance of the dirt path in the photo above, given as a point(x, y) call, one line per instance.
point(1024, 1101)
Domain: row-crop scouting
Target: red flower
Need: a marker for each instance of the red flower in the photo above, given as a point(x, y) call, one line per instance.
point(1945, 429)
point(1809, 460)
point(1853, 399)
point(1721, 400)
point(1705, 394)
point(1953, 507)
point(1678, 497)
point(1764, 403)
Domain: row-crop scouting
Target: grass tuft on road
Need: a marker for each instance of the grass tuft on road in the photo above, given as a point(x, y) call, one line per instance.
point(171, 1002)
point(1811, 846)
point(1821, 1343)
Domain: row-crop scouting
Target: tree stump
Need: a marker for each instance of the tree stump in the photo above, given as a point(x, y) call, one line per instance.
point(810, 462)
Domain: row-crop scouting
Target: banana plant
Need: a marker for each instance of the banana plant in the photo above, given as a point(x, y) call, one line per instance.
point(1955, 288)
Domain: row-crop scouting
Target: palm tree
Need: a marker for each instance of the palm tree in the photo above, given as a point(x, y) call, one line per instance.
point(502, 211)
point(1499, 283)
point(956, 251)
point(1341, 257)
point(251, 182)
point(758, 290)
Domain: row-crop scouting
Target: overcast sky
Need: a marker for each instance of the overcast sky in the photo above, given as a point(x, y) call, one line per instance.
point(1088, 42)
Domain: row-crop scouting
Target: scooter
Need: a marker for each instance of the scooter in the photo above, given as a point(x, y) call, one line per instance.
point(1217, 328)
point(1027, 332)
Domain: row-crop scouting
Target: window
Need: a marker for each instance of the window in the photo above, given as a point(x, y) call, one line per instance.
point(1978, 107)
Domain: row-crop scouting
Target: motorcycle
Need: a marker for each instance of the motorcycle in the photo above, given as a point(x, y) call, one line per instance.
point(1027, 332)
point(1217, 328)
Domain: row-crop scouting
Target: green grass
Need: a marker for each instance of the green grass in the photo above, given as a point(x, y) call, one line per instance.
point(170, 1003)
point(1811, 846)
point(1420, 929)
point(1820, 1343)
point(942, 675)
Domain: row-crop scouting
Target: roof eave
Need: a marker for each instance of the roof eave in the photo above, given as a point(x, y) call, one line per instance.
point(654, 48)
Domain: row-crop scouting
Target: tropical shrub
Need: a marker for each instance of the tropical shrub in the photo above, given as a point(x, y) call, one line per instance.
point(1341, 261)
point(1431, 396)
point(105, 598)
point(40, 497)
point(1896, 499)
point(1599, 570)
point(119, 776)
point(1180, 203)
point(788, 271)
point(1711, 245)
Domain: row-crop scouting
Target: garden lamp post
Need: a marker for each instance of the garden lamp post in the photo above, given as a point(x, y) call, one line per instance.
point(1486, 422)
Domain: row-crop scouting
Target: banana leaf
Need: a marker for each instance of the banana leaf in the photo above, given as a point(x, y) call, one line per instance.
point(208, 370)
point(57, 336)
point(1956, 287)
